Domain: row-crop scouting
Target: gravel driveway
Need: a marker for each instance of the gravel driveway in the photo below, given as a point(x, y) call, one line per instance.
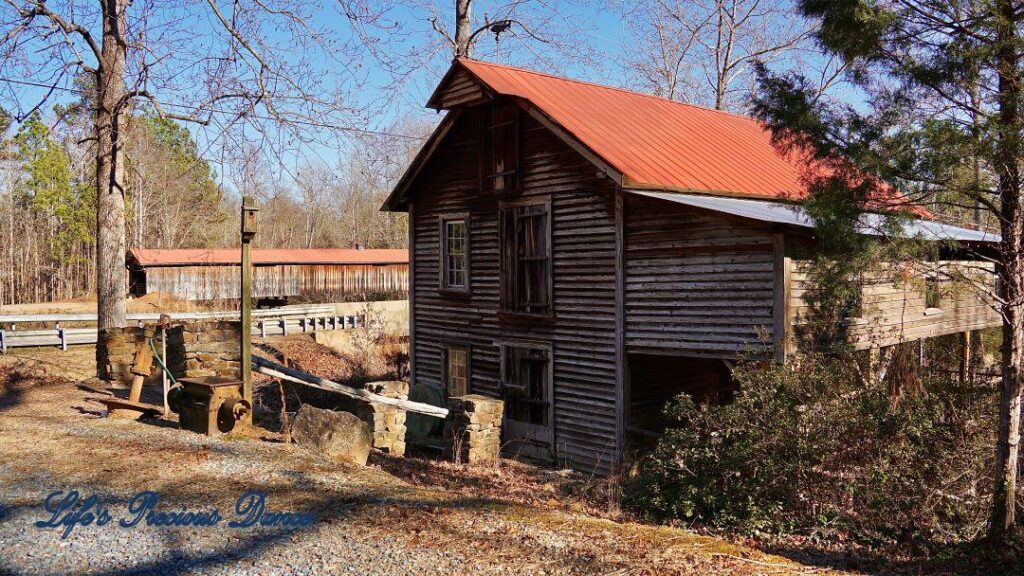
point(365, 521)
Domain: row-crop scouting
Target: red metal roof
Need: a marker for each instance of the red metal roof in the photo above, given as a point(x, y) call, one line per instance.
point(228, 256)
point(656, 143)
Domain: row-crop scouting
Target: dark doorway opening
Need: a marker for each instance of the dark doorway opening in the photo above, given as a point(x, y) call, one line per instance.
point(656, 380)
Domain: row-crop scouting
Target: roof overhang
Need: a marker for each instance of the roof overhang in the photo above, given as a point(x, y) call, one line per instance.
point(396, 201)
point(795, 215)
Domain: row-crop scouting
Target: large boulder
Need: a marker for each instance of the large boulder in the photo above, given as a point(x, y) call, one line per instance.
point(337, 435)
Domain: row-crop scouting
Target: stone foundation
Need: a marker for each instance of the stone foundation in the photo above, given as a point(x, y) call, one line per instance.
point(387, 423)
point(193, 349)
point(472, 430)
point(212, 349)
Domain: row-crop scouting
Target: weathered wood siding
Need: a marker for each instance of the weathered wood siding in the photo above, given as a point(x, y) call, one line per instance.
point(581, 332)
point(894, 311)
point(462, 90)
point(696, 283)
point(278, 281)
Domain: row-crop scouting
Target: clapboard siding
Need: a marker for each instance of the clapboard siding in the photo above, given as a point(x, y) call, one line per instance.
point(894, 311)
point(581, 332)
point(696, 283)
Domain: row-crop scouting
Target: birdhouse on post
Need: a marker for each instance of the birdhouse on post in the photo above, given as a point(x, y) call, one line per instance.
point(250, 210)
point(249, 225)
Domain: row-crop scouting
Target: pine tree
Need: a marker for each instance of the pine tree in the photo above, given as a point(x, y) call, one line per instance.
point(939, 90)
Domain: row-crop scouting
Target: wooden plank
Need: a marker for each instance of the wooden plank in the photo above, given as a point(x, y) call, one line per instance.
point(270, 368)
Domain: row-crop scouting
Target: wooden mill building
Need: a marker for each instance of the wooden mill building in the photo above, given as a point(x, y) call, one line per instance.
point(332, 274)
point(587, 253)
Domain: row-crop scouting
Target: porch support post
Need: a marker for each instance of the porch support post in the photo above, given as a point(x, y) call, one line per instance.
point(965, 356)
point(781, 320)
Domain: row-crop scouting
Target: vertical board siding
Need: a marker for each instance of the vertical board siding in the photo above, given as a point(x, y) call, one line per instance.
point(278, 281)
point(582, 331)
point(696, 283)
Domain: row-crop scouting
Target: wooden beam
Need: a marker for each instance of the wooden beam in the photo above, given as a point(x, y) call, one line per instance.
point(273, 369)
point(412, 296)
point(621, 365)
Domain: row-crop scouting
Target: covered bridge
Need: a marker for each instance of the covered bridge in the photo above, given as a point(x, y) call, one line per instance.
point(278, 274)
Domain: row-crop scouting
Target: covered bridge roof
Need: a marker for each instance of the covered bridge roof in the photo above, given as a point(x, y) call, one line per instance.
point(232, 256)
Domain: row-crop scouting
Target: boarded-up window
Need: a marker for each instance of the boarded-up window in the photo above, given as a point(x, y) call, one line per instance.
point(456, 370)
point(454, 253)
point(526, 258)
point(501, 147)
point(525, 374)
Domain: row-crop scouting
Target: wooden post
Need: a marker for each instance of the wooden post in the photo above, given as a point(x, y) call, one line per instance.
point(965, 356)
point(622, 392)
point(781, 282)
point(163, 359)
point(249, 211)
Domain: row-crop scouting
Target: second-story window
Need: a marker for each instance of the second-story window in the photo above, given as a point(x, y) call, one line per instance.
point(501, 147)
point(526, 284)
point(455, 252)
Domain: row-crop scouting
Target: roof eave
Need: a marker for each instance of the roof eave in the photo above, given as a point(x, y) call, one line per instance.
point(396, 201)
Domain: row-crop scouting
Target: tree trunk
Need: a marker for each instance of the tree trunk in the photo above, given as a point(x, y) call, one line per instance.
point(110, 224)
point(1011, 274)
point(463, 28)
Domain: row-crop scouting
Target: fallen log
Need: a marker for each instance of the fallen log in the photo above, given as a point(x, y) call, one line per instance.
point(275, 370)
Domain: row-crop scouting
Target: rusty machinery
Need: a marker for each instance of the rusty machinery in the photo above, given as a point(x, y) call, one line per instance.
point(209, 405)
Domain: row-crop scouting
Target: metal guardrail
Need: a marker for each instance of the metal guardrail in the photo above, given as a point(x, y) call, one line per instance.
point(294, 310)
point(283, 323)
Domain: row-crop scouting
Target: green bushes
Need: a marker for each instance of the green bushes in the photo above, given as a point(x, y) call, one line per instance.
point(808, 448)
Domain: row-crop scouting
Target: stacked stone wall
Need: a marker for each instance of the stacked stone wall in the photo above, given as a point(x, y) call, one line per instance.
point(472, 430)
point(193, 349)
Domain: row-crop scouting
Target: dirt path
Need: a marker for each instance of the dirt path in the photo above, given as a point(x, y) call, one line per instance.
point(367, 521)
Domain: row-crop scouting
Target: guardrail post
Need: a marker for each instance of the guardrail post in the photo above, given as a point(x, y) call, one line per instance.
point(263, 330)
point(63, 339)
point(284, 327)
point(302, 324)
point(3, 342)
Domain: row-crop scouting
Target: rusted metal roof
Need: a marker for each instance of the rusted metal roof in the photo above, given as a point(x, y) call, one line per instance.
point(229, 256)
point(658, 144)
point(653, 142)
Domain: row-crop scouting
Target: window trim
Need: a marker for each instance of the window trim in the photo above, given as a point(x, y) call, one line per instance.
point(442, 255)
point(504, 276)
point(468, 349)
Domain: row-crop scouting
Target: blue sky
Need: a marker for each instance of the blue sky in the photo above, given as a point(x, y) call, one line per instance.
point(595, 29)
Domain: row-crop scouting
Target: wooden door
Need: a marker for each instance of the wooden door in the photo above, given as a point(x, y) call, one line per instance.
point(528, 427)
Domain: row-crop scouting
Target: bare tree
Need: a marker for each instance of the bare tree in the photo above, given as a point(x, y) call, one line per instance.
point(704, 51)
point(262, 73)
point(538, 29)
